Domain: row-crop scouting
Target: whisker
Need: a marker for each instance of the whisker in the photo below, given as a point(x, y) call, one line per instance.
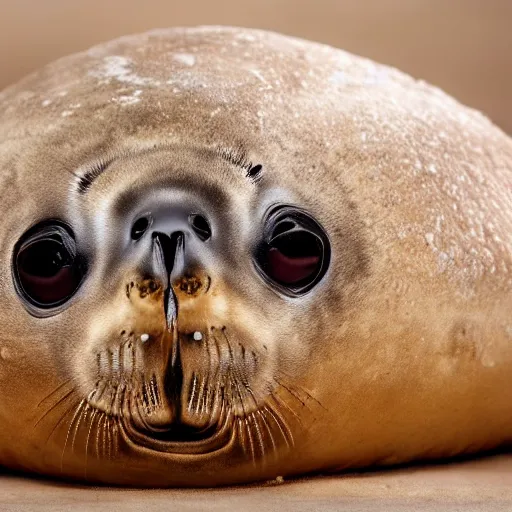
point(91, 424)
point(109, 435)
point(233, 375)
point(118, 399)
point(234, 384)
point(293, 389)
point(241, 434)
point(200, 396)
point(252, 419)
point(216, 404)
point(225, 409)
point(104, 433)
point(61, 419)
point(291, 393)
point(152, 394)
point(205, 390)
point(193, 392)
point(100, 391)
point(302, 389)
point(131, 410)
point(116, 436)
point(77, 412)
point(251, 442)
point(81, 417)
point(99, 433)
point(281, 425)
point(224, 362)
point(279, 401)
point(261, 414)
point(122, 398)
point(56, 390)
point(67, 395)
point(218, 399)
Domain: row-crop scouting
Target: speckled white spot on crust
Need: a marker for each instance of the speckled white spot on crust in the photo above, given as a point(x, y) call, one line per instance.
point(443, 260)
point(4, 353)
point(128, 99)
point(258, 75)
point(439, 220)
point(429, 237)
point(116, 67)
point(363, 137)
point(46, 103)
point(71, 109)
point(338, 77)
point(62, 94)
point(376, 75)
point(432, 169)
point(487, 361)
point(185, 58)
point(246, 37)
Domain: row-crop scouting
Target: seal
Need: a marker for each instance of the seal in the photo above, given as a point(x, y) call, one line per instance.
point(229, 255)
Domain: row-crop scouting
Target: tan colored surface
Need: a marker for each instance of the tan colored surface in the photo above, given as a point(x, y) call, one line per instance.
point(484, 485)
point(463, 46)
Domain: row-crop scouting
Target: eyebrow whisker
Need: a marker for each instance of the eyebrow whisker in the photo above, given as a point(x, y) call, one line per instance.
point(87, 179)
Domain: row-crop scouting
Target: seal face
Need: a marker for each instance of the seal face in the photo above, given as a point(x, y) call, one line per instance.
point(228, 255)
point(145, 371)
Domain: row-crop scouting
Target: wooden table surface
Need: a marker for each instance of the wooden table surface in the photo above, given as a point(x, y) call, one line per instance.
point(483, 485)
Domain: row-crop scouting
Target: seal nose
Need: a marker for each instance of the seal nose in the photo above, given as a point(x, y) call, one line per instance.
point(168, 255)
point(169, 240)
point(167, 262)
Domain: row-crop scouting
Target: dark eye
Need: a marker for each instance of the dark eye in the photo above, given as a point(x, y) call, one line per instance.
point(295, 252)
point(47, 269)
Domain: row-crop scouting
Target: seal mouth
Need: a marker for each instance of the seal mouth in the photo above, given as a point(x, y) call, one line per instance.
point(173, 434)
point(181, 438)
point(178, 436)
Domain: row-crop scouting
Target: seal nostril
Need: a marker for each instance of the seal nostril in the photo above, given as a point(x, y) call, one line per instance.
point(139, 228)
point(200, 226)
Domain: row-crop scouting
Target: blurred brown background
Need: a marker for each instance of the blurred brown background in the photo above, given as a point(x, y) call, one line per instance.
point(463, 46)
